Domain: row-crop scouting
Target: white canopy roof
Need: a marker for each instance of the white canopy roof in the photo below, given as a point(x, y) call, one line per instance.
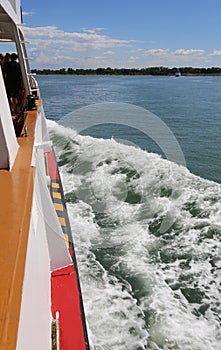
point(10, 13)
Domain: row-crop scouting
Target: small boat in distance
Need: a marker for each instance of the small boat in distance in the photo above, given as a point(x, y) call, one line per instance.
point(178, 73)
point(41, 304)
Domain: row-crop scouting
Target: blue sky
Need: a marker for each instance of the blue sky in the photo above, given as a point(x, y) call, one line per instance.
point(123, 33)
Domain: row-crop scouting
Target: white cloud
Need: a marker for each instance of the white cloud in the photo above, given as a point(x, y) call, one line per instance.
point(167, 52)
point(56, 48)
point(50, 37)
point(52, 46)
point(25, 13)
point(134, 58)
point(190, 52)
point(157, 52)
point(215, 53)
point(108, 52)
point(93, 30)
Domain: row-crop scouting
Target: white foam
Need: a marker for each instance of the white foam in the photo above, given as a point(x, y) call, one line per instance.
point(102, 173)
point(114, 318)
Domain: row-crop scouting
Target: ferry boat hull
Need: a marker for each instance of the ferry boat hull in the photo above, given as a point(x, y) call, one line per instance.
point(39, 285)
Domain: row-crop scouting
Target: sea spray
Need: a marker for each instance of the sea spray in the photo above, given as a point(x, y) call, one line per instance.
point(143, 288)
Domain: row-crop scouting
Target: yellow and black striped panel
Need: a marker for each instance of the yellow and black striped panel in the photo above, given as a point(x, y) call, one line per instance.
point(58, 201)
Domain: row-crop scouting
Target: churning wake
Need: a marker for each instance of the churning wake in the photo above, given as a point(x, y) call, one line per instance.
point(147, 239)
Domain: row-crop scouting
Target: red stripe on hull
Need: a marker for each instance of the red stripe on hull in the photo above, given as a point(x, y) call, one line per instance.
point(65, 300)
point(52, 166)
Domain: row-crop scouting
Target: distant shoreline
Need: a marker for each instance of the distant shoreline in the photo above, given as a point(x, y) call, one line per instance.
point(132, 75)
point(150, 71)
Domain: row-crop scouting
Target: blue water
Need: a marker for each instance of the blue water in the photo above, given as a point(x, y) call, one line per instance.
point(190, 106)
point(146, 229)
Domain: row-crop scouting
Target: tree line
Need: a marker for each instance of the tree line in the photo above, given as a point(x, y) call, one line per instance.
point(131, 71)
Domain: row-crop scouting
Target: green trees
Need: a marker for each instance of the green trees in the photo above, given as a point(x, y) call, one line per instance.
point(164, 71)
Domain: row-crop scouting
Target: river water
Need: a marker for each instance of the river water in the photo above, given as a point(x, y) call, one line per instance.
point(140, 164)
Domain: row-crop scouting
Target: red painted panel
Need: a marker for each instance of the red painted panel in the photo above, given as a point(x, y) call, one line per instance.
point(52, 165)
point(65, 300)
